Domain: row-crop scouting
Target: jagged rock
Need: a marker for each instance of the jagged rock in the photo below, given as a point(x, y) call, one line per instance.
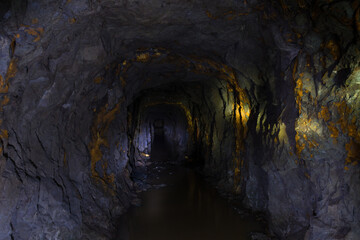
point(263, 95)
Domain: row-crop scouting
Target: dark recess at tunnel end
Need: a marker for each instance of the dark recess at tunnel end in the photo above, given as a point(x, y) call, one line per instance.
point(262, 97)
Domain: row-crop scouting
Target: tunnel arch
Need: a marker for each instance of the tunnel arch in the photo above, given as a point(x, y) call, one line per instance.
point(238, 111)
point(176, 131)
point(275, 114)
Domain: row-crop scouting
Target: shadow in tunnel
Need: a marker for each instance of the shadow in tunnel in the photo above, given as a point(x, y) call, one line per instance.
point(160, 150)
point(173, 200)
point(181, 205)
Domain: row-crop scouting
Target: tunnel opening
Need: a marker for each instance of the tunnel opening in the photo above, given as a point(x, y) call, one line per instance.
point(191, 128)
point(172, 181)
point(261, 96)
point(159, 149)
point(160, 133)
point(158, 130)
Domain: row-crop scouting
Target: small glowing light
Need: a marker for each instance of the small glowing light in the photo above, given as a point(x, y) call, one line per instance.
point(145, 155)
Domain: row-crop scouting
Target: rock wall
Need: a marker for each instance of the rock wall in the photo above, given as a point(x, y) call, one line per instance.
point(309, 136)
point(269, 91)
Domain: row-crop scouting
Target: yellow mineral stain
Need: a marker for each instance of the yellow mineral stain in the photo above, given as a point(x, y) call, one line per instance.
point(99, 130)
point(352, 131)
point(334, 48)
point(209, 15)
point(11, 71)
point(305, 126)
point(35, 32)
point(299, 146)
point(299, 93)
point(353, 150)
point(72, 20)
point(143, 57)
point(98, 79)
point(2, 81)
point(31, 31)
point(324, 114)
point(347, 126)
point(35, 21)
point(353, 120)
point(224, 72)
point(241, 111)
point(298, 86)
point(312, 144)
point(40, 30)
point(5, 101)
point(4, 134)
point(334, 131)
point(305, 137)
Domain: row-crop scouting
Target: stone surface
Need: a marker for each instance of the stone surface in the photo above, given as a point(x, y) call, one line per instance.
point(267, 92)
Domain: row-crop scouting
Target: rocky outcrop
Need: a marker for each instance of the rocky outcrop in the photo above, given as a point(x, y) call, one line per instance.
point(268, 92)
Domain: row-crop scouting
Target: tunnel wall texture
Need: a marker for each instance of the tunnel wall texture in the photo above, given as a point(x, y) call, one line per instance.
point(173, 134)
point(275, 116)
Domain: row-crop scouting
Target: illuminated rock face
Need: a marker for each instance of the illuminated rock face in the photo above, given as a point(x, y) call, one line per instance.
point(265, 94)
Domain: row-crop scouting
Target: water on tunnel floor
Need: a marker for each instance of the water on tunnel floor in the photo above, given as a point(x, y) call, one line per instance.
point(181, 205)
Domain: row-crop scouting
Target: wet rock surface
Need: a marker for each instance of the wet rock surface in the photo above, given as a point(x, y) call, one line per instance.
point(264, 95)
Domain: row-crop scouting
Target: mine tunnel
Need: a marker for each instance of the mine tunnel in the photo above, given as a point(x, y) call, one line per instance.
point(154, 119)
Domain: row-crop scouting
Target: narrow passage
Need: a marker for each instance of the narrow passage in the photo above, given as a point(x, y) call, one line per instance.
point(181, 205)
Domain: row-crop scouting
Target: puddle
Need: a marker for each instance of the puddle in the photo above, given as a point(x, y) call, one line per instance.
point(181, 205)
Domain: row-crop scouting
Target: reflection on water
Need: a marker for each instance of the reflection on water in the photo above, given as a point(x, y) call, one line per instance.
point(186, 208)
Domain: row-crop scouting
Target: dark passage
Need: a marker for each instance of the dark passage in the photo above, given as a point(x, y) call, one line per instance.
point(180, 204)
point(160, 147)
